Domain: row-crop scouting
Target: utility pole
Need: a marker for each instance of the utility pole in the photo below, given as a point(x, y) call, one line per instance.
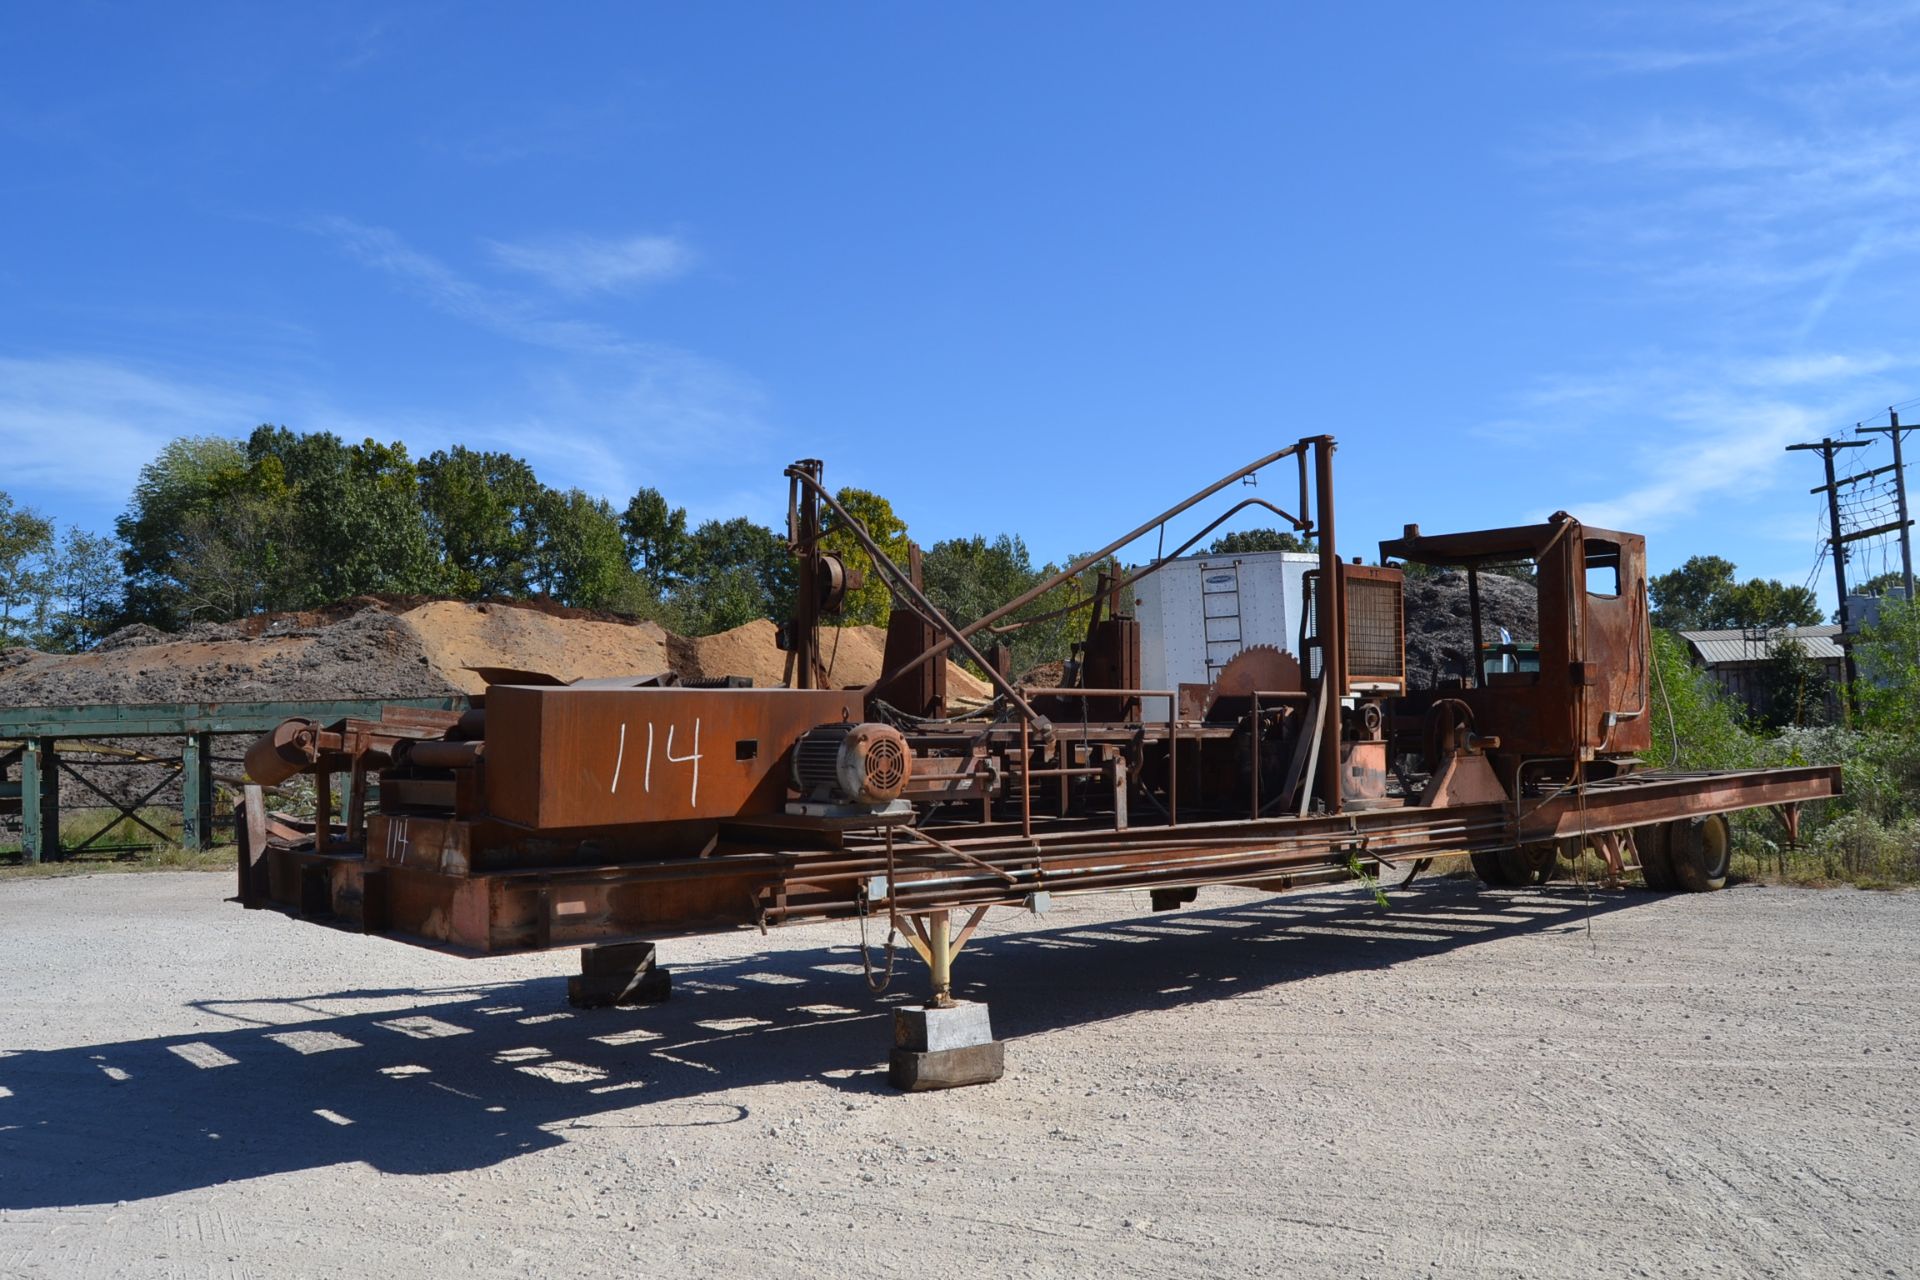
point(1828, 447)
point(1894, 431)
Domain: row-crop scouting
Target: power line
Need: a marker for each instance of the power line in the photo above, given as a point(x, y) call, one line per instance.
point(1827, 448)
point(1895, 432)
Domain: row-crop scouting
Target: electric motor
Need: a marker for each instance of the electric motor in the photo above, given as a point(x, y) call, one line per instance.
point(866, 764)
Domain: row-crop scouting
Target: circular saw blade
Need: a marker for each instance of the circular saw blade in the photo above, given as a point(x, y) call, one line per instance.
point(1258, 668)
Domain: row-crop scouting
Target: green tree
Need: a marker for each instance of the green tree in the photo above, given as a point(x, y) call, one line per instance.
point(1695, 725)
point(288, 520)
point(1883, 584)
point(1794, 690)
point(735, 571)
point(85, 595)
point(174, 504)
point(578, 556)
point(1767, 602)
point(1887, 655)
point(870, 602)
point(26, 552)
point(1683, 598)
point(1704, 595)
point(356, 510)
point(656, 536)
point(480, 510)
point(1251, 540)
point(969, 578)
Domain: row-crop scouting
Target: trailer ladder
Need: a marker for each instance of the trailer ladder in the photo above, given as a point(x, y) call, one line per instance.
point(1220, 614)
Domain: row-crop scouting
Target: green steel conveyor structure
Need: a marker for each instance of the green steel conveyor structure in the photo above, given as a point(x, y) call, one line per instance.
point(29, 738)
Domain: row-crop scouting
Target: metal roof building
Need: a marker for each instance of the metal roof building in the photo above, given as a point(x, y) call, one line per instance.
point(1750, 644)
point(1733, 657)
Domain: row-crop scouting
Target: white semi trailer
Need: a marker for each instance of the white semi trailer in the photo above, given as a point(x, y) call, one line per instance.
point(1198, 612)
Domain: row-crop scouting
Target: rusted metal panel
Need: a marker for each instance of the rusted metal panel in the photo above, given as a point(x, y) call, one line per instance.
point(424, 843)
point(920, 690)
point(563, 757)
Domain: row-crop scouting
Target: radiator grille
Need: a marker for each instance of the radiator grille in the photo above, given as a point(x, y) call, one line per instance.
point(1376, 636)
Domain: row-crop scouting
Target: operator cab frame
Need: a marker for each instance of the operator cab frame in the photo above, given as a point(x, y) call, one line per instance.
point(1587, 699)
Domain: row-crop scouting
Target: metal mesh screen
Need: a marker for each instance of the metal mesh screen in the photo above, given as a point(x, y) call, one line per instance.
point(1376, 648)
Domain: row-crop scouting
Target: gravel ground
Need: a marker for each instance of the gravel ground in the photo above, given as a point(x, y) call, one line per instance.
point(1478, 1084)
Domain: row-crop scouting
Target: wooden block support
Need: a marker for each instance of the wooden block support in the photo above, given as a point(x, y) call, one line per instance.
point(621, 973)
point(947, 1068)
point(944, 1047)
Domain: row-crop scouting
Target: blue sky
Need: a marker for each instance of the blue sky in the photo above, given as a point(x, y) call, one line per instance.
point(1032, 268)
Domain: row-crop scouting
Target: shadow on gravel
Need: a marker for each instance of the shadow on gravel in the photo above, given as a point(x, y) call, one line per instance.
point(440, 1079)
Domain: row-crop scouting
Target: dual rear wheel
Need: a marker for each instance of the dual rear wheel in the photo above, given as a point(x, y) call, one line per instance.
point(1689, 855)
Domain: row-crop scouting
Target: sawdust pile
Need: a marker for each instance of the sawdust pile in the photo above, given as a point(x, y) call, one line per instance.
point(456, 637)
point(379, 648)
point(852, 654)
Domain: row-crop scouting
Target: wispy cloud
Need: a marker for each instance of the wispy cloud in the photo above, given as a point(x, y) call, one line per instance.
point(81, 428)
point(1750, 208)
point(495, 310)
point(1766, 188)
point(1688, 437)
point(579, 264)
point(1717, 35)
point(589, 406)
point(608, 406)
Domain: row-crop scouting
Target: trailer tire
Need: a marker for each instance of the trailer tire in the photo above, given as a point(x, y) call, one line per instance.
point(1530, 863)
point(1701, 852)
point(1491, 868)
point(1656, 864)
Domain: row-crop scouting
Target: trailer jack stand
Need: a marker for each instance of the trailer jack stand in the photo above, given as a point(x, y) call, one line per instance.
point(944, 1043)
point(620, 973)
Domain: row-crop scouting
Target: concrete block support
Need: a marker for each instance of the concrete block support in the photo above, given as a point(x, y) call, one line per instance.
point(938, 1047)
point(620, 973)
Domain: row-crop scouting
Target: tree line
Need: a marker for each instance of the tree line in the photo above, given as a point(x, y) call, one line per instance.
point(219, 528)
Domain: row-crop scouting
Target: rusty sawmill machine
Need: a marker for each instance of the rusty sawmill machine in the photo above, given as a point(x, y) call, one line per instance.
point(606, 814)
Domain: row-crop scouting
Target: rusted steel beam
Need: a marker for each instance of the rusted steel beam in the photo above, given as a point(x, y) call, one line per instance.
point(1641, 799)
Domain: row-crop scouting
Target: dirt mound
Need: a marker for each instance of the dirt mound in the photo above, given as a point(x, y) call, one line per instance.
point(852, 654)
point(370, 655)
point(455, 637)
point(1440, 622)
point(407, 648)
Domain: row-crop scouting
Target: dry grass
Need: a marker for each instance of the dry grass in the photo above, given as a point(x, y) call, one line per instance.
point(76, 827)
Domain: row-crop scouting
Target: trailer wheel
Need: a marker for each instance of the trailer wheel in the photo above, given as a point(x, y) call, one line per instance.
point(1530, 863)
point(1700, 851)
point(1656, 864)
point(1491, 868)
